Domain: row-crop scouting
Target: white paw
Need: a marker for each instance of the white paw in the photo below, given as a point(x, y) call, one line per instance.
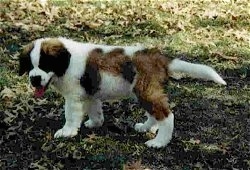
point(140, 127)
point(154, 143)
point(154, 129)
point(91, 124)
point(66, 132)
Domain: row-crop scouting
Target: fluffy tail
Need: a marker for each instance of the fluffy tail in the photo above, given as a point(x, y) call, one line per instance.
point(195, 70)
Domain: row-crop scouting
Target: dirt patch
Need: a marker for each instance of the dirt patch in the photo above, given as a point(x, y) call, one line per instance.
point(208, 133)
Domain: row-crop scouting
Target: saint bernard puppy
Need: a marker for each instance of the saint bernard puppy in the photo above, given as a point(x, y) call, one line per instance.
point(87, 74)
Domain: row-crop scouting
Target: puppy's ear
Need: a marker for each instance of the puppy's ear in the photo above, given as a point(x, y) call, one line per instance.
point(53, 51)
point(25, 64)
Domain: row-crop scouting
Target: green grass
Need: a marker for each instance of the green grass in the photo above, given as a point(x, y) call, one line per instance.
point(186, 27)
point(176, 27)
point(3, 78)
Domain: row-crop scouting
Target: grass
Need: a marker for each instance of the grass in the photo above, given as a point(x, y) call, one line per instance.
point(211, 32)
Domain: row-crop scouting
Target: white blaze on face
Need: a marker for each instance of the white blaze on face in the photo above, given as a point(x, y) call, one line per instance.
point(36, 71)
point(35, 53)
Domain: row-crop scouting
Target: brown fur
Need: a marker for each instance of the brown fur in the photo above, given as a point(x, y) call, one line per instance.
point(110, 62)
point(152, 68)
point(27, 49)
point(152, 73)
point(52, 47)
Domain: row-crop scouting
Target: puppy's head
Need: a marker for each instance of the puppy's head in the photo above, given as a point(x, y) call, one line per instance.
point(43, 59)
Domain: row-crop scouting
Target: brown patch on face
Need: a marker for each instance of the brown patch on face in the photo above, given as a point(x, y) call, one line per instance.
point(52, 47)
point(110, 62)
point(152, 73)
point(25, 64)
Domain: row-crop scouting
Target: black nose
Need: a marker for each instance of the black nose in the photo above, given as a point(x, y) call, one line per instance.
point(35, 81)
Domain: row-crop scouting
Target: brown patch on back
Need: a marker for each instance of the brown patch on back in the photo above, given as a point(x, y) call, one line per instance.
point(152, 73)
point(152, 68)
point(52, 47)
point(110, 62)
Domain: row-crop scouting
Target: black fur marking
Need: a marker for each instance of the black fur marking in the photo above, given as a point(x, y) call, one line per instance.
point(57, 64)
point(91, 79)
point(35, 81)
point(25, 64)
point(128, 71)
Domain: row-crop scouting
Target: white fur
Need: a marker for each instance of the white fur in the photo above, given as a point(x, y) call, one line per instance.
point(195, 70)
point(35, 57)
point(146, 126)
point(78, 103)
point(45, 77)
point(35, 53)
point(113, 87)
point(74, 113)
point(154, 128)
point(164, 134)
point(95, 114)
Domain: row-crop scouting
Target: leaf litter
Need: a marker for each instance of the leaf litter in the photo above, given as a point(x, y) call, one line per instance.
point(212, 122)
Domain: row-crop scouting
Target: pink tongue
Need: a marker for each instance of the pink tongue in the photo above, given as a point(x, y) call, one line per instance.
point(39, 92)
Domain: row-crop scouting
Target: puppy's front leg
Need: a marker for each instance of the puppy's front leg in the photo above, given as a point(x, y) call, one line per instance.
point(74, 113)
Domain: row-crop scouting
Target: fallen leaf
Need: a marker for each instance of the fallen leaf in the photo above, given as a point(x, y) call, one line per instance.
point(91, 138)
point(93, 24)
point(137, 165)
point(7, 93)
point(36, 165)
point(43, 2)
point(218, 54)
point(211, 13)
point(194, 141)
point(9, 117)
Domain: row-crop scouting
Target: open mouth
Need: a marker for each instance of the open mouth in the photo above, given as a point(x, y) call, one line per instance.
point(40, 90)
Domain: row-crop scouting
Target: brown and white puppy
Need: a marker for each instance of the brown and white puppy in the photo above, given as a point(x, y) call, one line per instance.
point(86, 74)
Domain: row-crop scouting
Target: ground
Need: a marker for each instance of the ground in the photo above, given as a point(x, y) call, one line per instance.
point(212, 122)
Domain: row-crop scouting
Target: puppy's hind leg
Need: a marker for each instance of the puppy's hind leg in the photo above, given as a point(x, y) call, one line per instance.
point(155, 102)
point(146, 126)
point(95, 114)
point(164, 134)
